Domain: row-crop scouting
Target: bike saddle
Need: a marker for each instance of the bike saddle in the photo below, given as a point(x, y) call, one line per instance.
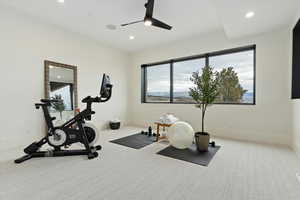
point(50, 100)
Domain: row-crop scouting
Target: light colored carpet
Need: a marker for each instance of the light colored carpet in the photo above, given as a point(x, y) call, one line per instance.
point(239, 171)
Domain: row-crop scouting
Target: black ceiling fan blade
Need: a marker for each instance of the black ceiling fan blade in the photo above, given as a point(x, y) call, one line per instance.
point(149, 8)
point(132, 23)
point(160, 24)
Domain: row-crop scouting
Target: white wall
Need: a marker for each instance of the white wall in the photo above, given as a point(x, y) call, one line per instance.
point(24, 45)
point(295, 102)
point(296, 125)
point(268, 121)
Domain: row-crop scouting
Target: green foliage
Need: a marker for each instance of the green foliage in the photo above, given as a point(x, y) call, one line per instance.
point(205, 91)
point(229, 89)
point(213, 87)
point(59, 106)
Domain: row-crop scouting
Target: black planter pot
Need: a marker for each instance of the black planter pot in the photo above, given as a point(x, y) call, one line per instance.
point(202, 141)
point(114, 125)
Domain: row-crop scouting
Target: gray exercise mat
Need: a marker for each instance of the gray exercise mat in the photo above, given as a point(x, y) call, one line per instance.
point(191, 154)
point(136, 141)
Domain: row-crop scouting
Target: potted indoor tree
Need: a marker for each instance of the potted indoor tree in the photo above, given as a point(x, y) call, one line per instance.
point(204, 93)
point(59, 106)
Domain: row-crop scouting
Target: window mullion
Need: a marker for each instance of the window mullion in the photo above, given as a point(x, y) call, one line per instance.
point(207, 59)
point(171, 82)
point(144, 83)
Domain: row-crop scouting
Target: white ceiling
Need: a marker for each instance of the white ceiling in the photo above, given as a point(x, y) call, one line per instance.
point(269, 15)
point(189, 18)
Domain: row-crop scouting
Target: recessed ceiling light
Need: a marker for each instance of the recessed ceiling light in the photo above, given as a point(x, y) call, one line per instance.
point(131, 37)
point(61, 1)
point(249, 14)
point(148, 22)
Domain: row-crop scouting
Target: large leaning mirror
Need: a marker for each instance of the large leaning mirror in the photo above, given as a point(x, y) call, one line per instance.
point(61, 84)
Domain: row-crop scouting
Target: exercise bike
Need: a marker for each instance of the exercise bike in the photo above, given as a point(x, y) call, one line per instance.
point(76, 130)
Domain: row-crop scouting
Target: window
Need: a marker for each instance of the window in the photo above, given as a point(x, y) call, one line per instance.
point(158, 83)
point(169, 81)
point(182, 72)
point(242, 64)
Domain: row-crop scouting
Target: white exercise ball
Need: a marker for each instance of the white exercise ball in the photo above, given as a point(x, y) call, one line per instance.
point(181, 135)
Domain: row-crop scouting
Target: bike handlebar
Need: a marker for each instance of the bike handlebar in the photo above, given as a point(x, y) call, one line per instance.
point(90, 99)
point(103, 98)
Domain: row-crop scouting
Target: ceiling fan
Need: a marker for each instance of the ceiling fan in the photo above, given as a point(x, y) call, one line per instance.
point(149, 20)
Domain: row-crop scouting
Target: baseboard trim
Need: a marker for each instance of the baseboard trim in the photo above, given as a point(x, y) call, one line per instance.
point(255, 137)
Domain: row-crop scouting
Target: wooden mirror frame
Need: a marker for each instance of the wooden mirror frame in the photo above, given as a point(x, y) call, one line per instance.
point(47, 64)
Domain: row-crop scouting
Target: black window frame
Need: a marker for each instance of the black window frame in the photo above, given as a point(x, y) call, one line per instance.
point(206, 56)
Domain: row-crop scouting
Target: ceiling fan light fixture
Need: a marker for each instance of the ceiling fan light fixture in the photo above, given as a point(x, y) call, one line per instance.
point(148, 22)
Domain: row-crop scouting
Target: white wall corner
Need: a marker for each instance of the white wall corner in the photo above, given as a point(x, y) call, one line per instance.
point(296, 148)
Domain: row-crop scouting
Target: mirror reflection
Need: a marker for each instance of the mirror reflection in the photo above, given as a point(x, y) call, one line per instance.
point(61, 85)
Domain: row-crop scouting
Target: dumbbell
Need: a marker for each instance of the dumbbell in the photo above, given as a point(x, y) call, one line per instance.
point(144, 133)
